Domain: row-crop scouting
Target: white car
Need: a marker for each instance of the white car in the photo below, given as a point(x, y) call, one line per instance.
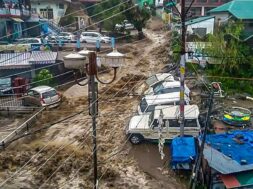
point(92, 37)
point(164, 87)
point(149, 102)
point(159, 77)
point(125, 25)
point(66, 37)
point(146, 126)
point(42, 96)
point(28, 43)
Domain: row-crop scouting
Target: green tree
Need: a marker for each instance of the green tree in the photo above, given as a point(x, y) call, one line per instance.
point(109, 24)
point(138, 17)
point(233, 57)
point(229, 52)
point(44, 77)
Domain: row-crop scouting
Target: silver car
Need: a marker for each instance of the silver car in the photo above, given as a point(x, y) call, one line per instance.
point(93, 37)
point(42, 96)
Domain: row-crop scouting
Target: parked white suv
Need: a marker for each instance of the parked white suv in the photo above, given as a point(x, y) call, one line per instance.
point(152, 80)
point(148, 103)
point(164, 87)
point(42, 96)
point(92, 37)
point(146, 126)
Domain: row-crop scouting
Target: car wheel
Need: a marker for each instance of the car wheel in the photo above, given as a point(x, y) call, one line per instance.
point(136, 139)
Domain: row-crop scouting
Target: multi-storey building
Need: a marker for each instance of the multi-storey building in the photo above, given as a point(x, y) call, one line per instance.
point(13, 14)
point(201, 7)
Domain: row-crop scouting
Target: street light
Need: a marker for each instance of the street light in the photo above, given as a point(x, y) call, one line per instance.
point(113, 60)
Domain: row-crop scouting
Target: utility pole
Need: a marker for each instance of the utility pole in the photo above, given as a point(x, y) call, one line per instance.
point(182, 68)
point(93, 109)
point(197, 165)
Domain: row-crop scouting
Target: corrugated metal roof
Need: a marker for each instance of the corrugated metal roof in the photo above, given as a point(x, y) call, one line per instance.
point(43, 57)
point(15, 59)
point(26, 59)
point(241, 9)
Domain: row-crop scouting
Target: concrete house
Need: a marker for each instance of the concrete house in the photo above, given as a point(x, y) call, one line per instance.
point(13, 16)
point(236, 10)
point(50, 9)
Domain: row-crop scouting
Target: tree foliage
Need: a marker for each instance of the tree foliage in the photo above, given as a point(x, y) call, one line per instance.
point(44, 77)
point(138, 17)
point(233, 56)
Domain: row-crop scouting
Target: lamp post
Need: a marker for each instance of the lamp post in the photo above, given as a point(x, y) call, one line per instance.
point(113, 60)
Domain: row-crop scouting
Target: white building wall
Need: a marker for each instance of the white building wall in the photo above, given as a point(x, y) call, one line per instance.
point(208, 24)
point(57, 12)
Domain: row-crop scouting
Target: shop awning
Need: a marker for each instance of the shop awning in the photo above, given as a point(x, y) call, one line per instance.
point(238, 180)
point(17, 19)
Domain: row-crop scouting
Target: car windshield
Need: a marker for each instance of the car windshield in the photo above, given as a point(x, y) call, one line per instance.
point(167, 90)
point(158, 87)
point(153, 79)
point(49, 94)
point(143, 105)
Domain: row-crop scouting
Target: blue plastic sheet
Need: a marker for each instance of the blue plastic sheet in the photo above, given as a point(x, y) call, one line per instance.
point(183, 150)
point(237, 145)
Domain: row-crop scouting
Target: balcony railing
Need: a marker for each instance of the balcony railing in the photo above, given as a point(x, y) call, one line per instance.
point(26, 12)
point(6, 12)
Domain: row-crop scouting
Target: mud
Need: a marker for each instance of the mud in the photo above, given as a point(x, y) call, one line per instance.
point(120, 165)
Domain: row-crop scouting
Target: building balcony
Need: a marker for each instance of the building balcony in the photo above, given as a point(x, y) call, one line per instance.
point(15, 13)
point(5, 13)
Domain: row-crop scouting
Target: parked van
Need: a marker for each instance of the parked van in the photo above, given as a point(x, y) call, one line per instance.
point(145, 127)
point(149, 102)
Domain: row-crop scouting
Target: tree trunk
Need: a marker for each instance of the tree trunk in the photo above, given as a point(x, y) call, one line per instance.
point(140, 34)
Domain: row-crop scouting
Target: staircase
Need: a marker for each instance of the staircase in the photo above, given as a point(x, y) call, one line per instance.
point(52, 26)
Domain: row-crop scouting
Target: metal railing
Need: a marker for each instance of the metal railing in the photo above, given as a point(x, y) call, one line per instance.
point(20, 129)
point(14, 12)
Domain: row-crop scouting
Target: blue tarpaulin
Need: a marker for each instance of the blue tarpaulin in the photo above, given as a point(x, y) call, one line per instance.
point(183, 150)
point(237, 145)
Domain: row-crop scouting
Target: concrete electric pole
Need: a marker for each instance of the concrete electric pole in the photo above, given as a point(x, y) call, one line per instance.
point(182, 68)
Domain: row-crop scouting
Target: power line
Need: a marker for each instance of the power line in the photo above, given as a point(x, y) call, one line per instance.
point(37, 153)
point(63, 62)
point(85, 27)
point(63, 17)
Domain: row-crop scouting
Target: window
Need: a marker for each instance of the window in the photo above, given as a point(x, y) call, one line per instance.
point(170, 90)
point(173, 123)
point(61, 6)
point(95, 35)
point(143, 105)
point(49, 94)
point(47, 13)
point(33, 10)
point(155, 123)
point(214, 1)
point(191, 123)
point(158, 87)
point(202, 1)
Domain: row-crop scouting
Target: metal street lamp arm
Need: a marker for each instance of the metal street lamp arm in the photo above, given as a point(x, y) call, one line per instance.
point(78, 83)
point(113, 79)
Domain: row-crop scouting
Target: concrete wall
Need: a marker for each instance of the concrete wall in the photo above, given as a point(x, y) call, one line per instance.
point(221, 17)
point(208, 24)
point(57, 12)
